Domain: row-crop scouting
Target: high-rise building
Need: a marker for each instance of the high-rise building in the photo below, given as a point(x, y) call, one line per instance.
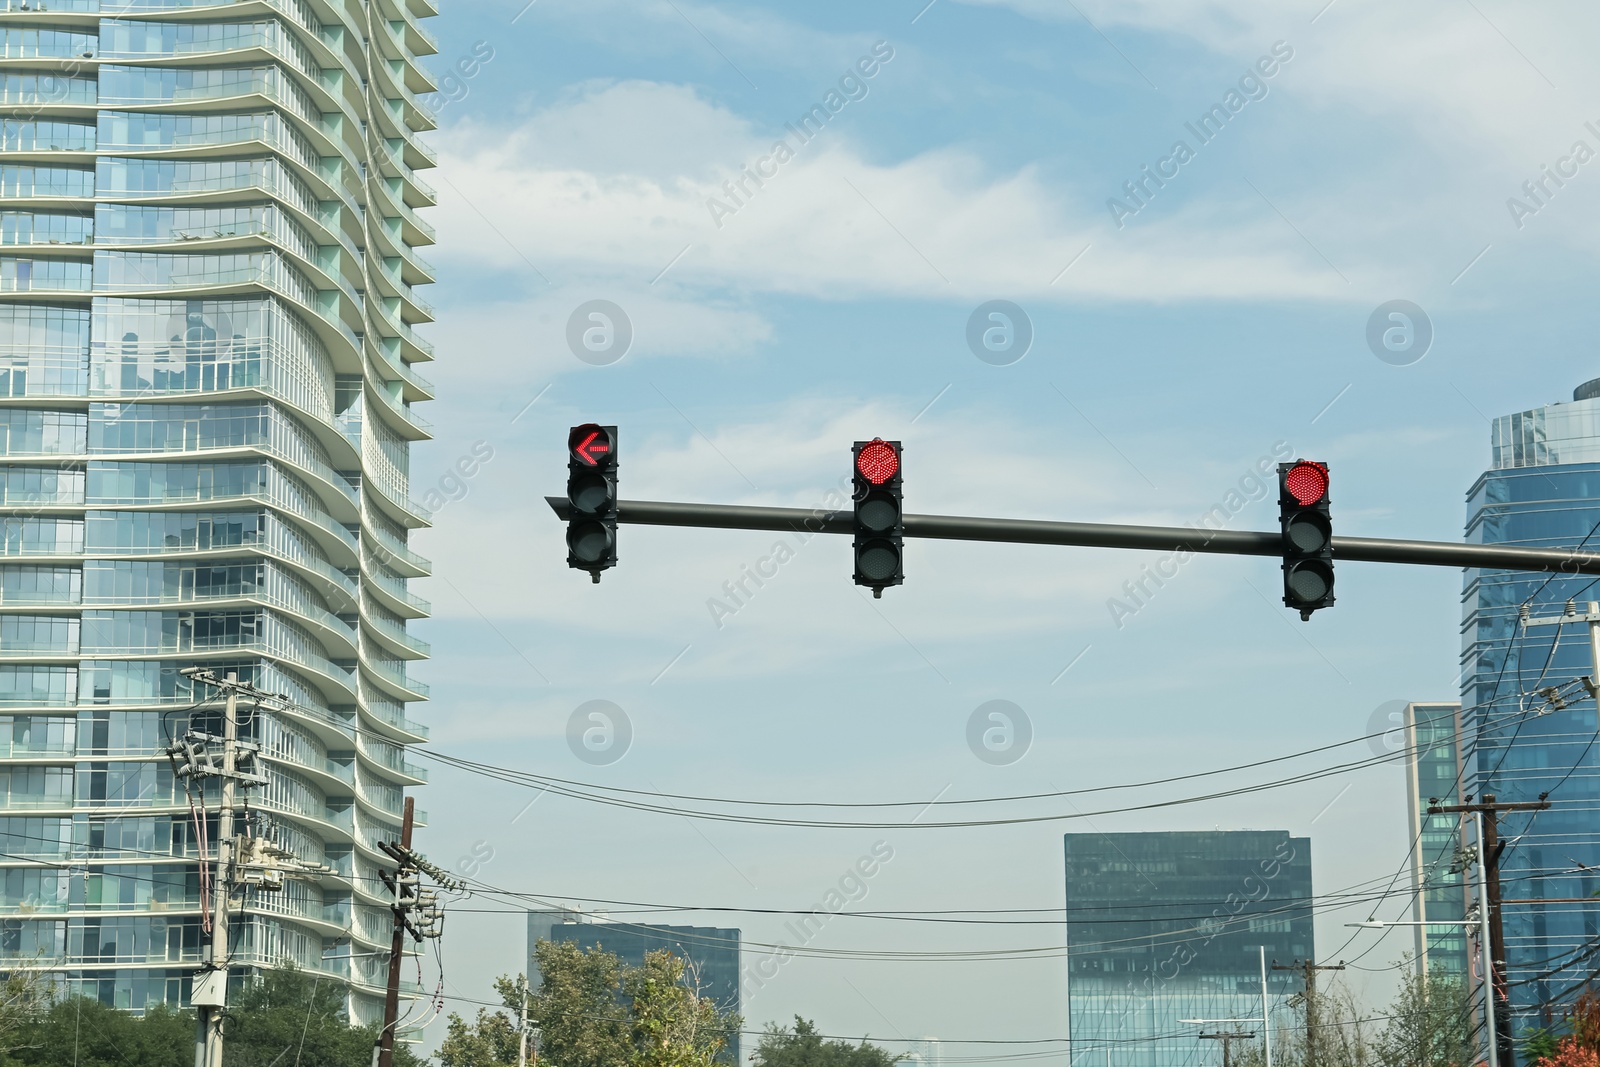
point(1167, 927)
point(1542, 490)
point(712, 953)
point(208, 272)
point(1434, 773)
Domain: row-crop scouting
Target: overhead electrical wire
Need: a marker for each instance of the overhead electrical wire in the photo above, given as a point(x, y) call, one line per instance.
point(600, 795)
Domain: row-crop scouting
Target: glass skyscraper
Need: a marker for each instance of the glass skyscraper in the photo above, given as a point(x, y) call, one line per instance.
point(712, 954)
point(208, 290)
point(1434, 772)
point(1164, 927)
point(1542, 490)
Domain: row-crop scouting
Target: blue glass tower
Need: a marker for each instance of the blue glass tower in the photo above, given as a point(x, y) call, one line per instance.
point(208, 288)
point(1167, 927)
point(1542, 490)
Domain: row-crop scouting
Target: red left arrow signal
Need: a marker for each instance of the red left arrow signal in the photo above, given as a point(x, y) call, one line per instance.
point(589, 443)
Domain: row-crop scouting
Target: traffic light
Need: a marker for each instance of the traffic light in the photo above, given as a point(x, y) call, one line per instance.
point(592, 491)
point(1307, 536)
point(879, 529)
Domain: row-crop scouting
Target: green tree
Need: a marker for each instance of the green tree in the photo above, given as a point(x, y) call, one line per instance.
point(491, 1040)
point(87, 1033)
point(287, 1014)
point(594, 1011)
point(24, 996)
point(582, 1020)
point(1429, 1024)
point(801, 1046)
point(672, 1024)
point(283, 1018)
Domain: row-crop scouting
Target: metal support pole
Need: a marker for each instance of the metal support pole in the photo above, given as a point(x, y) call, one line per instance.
point(1266, 1023)
point(222, 882)
point(522, 1031)
point(1493, 1045)
point(391, 1000)
point(1502, 1049)
point(1594, 649)
point(1100, 535)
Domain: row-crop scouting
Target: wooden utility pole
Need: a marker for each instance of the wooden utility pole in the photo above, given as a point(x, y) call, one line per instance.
point(1490, 847)
point(391, 1000)
point(1309, 970)
point(1227, 1044)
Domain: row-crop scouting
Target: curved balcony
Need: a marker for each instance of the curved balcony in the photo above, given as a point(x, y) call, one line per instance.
point(390, 202)
point(413, 42)
point(390, 759)
point(392, 677)
point(389, 716)
point(414, 268)
point(387, 550)
point(413, 427)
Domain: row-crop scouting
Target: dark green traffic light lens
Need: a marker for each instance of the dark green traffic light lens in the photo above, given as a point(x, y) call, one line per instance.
point(1308, 532)
point(877, 560)
point(589, 542)
point(590, 493)
point(879, 512)
point(1310, 581)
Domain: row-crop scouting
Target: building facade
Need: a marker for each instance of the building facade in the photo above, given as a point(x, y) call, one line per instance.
point(1168, 927)
point(208, 288)
point(1439, 878)
point(712, 953)
point(1542, 490)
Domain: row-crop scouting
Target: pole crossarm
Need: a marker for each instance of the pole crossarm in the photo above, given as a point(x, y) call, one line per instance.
point(1099, 535)
point(1506, 805)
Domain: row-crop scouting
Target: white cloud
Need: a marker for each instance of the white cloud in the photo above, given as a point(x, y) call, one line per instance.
point(830, 222)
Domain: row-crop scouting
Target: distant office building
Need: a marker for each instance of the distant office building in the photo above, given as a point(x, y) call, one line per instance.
point(1434, 772)
point(1542, 490)
point(712, 953)
point(1163, 927)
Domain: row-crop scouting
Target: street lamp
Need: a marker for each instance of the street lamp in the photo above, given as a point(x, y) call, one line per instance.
point(1482, 922)
point(1266, 1023)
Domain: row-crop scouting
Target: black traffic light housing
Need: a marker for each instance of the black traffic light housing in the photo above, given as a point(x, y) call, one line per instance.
point(592, 491)
point(1307, 528)
point(879, 517)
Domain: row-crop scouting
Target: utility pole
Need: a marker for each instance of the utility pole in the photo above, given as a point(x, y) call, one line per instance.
point(1309, 970)
point(522, 1031)
point(224, 876)
point(391, 1000)
point(1489, 849)
point(409, 897)
point(1227, 1043)
point(192, 761)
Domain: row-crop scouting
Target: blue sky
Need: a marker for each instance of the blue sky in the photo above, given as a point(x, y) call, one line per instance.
point(1174, 347)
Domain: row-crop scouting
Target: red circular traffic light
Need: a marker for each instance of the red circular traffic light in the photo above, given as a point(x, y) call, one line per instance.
point(1307, 482)
point(878, 461)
